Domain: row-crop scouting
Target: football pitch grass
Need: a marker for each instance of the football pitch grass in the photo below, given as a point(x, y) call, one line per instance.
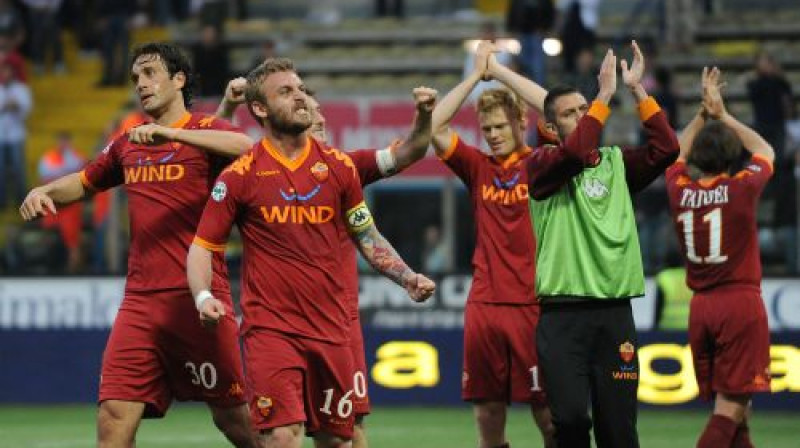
point(190, 426)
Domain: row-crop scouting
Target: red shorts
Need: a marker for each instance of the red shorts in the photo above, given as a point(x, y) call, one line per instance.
point(500, 361)
point(729, 336)
point(361, 404)
point(296, 380)
point(158, 350)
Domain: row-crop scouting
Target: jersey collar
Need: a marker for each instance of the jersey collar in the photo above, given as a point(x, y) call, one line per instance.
point(514, 157)
point(292, 165)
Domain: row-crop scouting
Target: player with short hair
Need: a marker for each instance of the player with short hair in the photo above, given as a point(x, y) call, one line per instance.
point(293, 198)
point(588, 262)
point(372, 165)
point(154, 354)
point(714, 212)
point(500, 363)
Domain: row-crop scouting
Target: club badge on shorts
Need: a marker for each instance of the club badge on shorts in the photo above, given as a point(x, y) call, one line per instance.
point(626, 351)
point(264, 405)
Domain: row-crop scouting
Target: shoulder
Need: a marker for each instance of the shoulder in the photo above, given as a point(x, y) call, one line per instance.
point(244, 164)
point(208, 121)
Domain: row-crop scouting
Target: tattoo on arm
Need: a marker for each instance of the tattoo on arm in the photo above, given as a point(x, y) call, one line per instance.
point(381, 255)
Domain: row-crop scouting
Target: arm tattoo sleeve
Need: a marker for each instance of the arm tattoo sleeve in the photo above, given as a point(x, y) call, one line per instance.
point(381, 255)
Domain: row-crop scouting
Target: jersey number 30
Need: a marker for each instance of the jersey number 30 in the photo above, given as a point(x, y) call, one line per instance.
point(714, 221)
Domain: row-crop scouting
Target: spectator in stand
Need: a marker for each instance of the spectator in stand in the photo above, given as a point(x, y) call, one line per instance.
point(680, 24)
point(770, 94)
point(434, 252)
point(584, 78)
point(45, 34)
point(115, 22)
point(58, 161)
point(578, 31)
point(211, 62)
point(8, 52)
point(12, 33)
point(15, 105)
point(530, 21)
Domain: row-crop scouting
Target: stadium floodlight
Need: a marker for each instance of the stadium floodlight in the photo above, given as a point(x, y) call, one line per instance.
point(552, 46)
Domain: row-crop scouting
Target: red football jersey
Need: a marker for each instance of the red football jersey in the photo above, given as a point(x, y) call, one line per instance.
point(167, 187)
point(292, 218)
point(716, 224)
point(504, 268)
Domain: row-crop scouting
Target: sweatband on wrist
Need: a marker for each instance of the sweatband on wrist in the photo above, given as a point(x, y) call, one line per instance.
point(201, 297)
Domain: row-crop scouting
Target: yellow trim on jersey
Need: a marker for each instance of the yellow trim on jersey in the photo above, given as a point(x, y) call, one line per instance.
point(210, 246)
point(648, 108)
point(291, 165)
point(599, 111)
point(358, 218)
point(85, 181)
point(452, 148)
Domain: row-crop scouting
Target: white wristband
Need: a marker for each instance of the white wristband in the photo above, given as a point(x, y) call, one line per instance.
point(387, 164)
point(201, 297)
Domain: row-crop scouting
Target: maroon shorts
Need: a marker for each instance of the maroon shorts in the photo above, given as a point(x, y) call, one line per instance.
point(158, 350)
point(361, 404)
point(500, 361)
point(296, 380)
point(729, 336)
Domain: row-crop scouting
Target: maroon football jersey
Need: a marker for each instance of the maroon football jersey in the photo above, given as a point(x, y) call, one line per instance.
point(716, 223)
point(167, 187)
point(292, 218)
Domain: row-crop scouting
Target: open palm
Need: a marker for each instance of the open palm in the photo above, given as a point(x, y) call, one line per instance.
point(633, 75)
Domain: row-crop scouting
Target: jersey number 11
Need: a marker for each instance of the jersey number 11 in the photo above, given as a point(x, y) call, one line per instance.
point(714, 221)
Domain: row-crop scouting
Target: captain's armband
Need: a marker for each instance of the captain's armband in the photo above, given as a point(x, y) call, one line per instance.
point(359, 218)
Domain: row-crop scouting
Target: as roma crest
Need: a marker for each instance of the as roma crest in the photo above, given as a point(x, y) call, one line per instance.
point(264, 405)
point(626, 351)
point(320, 171)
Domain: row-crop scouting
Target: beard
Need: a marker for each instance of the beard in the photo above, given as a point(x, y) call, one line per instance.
point(287, 123)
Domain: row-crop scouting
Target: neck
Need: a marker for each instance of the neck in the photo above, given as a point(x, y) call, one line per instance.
point(170, 114)
point(287, 144)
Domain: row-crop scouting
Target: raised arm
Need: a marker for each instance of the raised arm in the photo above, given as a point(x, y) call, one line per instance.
point(688, 134)
point(451, 103)
point(715, 107)
point(223, 143)
point(384, 259)
point(416, 143)
point(42, 200)
point(532, 93)
point(699, 120)
point(644, 165)
point(234, 96)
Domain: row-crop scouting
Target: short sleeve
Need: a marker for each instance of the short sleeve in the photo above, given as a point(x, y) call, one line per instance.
point(755, 174)
point(212, 123)
point(220, 211)
point(105, 171)
point(464, 160)
point(366, 163)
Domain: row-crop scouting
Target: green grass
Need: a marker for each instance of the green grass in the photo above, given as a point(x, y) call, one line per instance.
point(190, 426)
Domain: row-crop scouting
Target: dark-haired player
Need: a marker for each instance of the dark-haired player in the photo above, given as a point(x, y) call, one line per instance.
point(155, 353)
point(714, 211)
